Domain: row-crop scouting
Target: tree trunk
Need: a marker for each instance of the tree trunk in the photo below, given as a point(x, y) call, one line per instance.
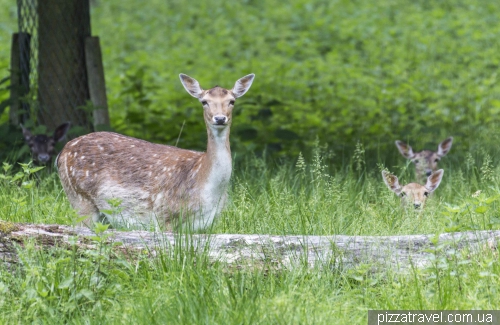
point(380, 252)
point(63, 26)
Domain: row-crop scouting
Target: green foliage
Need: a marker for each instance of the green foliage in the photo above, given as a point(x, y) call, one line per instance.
point(342, 71)
point(315, 197)
point(32, 196)
point(353, 75)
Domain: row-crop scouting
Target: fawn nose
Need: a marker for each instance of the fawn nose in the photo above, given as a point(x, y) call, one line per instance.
point(428, 173)
point(220, 119)
point(43, 157)
point(417, 205)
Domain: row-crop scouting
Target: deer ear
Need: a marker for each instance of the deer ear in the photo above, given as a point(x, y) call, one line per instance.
point(191, 85)
point(444, 147)
point(242, 85)
point(60, 132)
point(391, 181)
point(26, 133)
point(405, 150)
point(434, 180)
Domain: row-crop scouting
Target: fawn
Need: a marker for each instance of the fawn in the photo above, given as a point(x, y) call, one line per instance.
point(42, 147)
point(155, 182)
point(413, 192)
point(426, 160)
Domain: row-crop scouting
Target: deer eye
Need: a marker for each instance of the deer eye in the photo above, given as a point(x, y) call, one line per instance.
point(403, 194)
point(436, 160)
point(204, 103)
point(426, 193)
point(416, 161)
point(231, 102)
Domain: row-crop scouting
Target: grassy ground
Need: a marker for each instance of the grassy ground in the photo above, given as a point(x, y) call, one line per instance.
point(303, 197)
point(343, 70)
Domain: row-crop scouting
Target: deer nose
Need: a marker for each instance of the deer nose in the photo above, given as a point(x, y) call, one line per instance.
point(220, 119)
point(43, 157)
point(428, 173)
point(417, 205)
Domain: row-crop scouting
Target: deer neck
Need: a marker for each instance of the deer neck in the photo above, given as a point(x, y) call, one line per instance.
point(218, 155)
point(217, 160)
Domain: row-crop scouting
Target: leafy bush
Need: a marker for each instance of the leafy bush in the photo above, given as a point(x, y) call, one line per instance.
point(341, 71)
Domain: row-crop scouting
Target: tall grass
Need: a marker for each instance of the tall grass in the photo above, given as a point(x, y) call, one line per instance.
point(101, 286)
point(181, 285)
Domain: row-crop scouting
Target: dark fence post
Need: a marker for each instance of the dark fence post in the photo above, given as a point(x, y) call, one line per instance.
point(97, 84)
point(15, 80)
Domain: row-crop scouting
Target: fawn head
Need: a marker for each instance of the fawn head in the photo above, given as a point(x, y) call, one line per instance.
point(217, 102)
point(42, 147)
point(413, 193)
point(425, 161)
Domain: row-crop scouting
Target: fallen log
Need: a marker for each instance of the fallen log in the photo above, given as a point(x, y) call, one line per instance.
point(401, 252)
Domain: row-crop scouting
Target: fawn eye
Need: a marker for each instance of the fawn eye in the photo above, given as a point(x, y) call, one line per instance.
point(416, 161)
point(204, 103)
point(436, 160)
point(426, 193)
point(231, 102)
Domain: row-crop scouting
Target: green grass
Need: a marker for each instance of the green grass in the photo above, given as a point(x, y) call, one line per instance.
point(66, 286)
point(102, 286)
point(339, 71)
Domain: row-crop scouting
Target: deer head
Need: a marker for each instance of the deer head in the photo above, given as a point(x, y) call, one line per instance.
point(413, 193)
point(426, 161)
point(217, 102)
point(42, 147)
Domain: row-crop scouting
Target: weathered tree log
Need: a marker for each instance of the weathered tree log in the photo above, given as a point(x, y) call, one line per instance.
point(380, 252)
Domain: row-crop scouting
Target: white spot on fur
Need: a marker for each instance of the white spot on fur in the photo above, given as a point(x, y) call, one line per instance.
point(75, 153)
point(100, 147)
point(132, 146)
point(83, 157)
point(87, 173)
point(164, 168)
point(158, 201)
point(75, 142)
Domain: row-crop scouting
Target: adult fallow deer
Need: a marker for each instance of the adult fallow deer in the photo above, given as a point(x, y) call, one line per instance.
point(153, 182)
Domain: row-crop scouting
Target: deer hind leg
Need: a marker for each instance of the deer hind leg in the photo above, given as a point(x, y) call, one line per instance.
point(86, 208)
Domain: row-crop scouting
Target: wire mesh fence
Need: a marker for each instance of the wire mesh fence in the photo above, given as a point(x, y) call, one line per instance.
point(53, 78)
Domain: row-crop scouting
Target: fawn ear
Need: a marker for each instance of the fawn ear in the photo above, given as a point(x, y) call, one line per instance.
point(242, 85)
point(26, 133)
point(434, 180)
point(392, 182)
point(405, 150)
point(191, 85)
point(60, 132)
point(444, 147)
